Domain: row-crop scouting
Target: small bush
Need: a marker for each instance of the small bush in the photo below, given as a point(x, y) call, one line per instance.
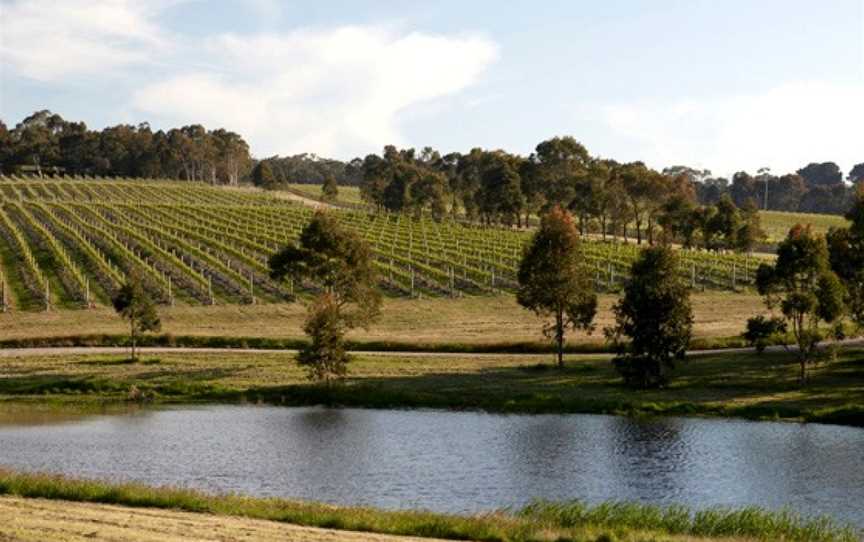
point(761, 331)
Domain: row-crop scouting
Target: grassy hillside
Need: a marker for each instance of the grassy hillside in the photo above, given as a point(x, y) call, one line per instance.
point(348, 195)
point(65, 242)
point(777, 224)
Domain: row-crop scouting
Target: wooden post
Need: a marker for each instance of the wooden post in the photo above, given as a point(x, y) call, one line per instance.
point(47, 294)
point(210, 289)
point(734, 277)
point(3, 293)
point(251, 288)
point(693, 275)
point(412, 281)
point(170, 292)
point(87, 293)
point(611, 276)
point(452, 281)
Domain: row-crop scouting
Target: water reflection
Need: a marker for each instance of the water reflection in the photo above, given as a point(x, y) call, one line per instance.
point(451, 461)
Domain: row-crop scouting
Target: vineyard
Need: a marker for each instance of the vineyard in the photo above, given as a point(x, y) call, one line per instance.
point(69, 243)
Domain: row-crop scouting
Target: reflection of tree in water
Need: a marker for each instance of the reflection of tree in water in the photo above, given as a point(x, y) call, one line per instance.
point(650, 458)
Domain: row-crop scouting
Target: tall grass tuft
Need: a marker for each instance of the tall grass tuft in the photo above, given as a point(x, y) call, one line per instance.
point(751, 522)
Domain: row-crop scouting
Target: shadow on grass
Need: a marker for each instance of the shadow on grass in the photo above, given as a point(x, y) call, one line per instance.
point(746, 386)
point(190, 383)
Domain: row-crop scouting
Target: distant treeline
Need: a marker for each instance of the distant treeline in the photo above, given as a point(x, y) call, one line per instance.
point(500, 187)
point(489, 186)
point(45, 143)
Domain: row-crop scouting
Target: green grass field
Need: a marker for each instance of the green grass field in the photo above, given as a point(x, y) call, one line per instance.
point(349, 195)
point(726, 385)
point(777, 224)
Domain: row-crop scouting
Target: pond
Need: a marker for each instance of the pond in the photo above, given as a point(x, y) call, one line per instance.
point(455, 461)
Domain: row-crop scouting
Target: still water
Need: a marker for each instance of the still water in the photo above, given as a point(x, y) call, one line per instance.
point(456, 461)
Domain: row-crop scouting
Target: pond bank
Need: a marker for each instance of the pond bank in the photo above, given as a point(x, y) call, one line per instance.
point(719, 385)
point(541, 521)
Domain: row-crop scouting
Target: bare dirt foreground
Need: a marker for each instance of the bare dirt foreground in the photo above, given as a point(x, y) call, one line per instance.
point(27, 520)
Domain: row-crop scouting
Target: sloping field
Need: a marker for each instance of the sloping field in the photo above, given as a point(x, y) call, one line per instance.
point(71, 242)
point(777, 224)
point(348, 195)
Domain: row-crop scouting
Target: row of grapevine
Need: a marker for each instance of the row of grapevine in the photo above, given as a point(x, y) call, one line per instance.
point(194, 243)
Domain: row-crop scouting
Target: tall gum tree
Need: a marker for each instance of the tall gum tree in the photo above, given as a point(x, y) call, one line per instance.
point(802, 284)
point(339, 263)
point(555, 281)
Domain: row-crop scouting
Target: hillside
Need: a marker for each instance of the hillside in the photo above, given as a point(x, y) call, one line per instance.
point(70, 242)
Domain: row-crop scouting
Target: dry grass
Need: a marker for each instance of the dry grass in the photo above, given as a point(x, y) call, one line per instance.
point(472, 320)
point(37, 520)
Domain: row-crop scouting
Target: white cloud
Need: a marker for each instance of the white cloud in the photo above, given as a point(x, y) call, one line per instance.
point(335, 91)
point(49, 40)
point(783, 128)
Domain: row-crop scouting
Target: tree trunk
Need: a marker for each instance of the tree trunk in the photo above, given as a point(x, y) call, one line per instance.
point(559, 337)
point(132, 334)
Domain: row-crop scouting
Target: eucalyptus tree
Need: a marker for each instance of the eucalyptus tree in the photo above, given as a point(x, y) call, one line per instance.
point(134, 305)
point(653, 320)
point(340, 265)
point(806, 290)
point(555, 279)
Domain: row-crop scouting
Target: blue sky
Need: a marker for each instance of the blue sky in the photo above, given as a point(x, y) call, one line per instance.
point(720, 85)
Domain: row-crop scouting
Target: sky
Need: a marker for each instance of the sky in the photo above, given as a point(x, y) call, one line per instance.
point(722, 85)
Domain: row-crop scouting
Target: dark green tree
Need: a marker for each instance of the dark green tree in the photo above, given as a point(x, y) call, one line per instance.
point(339, 263)
point(560, 162)
point(749, 231)
point(760, 330)
point(655, 316)
point(805, 288)
point(134, 305)
point(554, 279)
point(856, 174)
point(330, 189)
point(262, 176)
point(846, 249)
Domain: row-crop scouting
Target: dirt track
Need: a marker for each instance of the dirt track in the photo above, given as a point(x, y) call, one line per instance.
point(32, 520)
point(95, 350)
